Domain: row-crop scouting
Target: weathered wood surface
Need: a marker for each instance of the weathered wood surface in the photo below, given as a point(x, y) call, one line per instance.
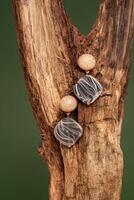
point(50, 45)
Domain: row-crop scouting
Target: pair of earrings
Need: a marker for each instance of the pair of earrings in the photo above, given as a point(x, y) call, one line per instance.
point(87, 90)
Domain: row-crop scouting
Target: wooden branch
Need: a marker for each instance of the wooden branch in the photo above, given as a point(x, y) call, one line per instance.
point(50, 45)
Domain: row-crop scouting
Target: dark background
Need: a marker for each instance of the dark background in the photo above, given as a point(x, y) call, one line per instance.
point(23, 176)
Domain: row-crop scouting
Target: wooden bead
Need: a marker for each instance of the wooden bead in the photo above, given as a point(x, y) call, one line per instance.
point(68, 103)
point(86, 62)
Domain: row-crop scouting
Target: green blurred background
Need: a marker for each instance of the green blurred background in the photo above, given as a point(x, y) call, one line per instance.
point(23, 176)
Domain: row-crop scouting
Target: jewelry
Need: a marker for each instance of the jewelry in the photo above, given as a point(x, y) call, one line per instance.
point(87, 89)
point(68, 131)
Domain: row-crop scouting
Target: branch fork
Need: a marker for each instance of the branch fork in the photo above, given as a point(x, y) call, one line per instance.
point(50, 45)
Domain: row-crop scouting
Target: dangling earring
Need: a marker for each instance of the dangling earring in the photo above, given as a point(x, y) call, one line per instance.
point(68, 131)
point(87, 89)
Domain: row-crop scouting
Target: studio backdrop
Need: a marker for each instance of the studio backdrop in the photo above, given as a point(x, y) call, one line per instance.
point(23, 175)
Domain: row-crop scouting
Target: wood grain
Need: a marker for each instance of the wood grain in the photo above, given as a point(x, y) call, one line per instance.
point(49, 46)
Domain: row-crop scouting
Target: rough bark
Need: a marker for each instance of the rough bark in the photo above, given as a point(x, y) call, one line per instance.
point(50, 45)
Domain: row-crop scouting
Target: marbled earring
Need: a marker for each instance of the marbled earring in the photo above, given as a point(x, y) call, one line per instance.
point(68, 131)
point(88, 88)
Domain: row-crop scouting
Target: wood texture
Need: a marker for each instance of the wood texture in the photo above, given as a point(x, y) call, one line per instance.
point(50, 45)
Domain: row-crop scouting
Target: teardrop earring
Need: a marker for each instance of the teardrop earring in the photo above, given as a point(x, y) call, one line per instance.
point(87, 89)
point(68, 131)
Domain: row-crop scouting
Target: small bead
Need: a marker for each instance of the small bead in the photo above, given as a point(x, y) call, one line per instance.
point(87, 89)
point(86, 62)
point(68, 103)
point(68, 131)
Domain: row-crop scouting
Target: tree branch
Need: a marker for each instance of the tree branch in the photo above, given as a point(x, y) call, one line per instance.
point(50, 45)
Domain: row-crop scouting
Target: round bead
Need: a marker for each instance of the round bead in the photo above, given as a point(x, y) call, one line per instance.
point(68, 103)
point(86, 62)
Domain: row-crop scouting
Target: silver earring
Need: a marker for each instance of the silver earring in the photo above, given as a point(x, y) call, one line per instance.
point(88, 88)
point(68, 131)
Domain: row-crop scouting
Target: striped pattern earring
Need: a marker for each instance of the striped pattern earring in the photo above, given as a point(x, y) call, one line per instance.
point(88, 88)
point(68, 131)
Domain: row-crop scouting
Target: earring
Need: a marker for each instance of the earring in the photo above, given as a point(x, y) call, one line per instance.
point(68, 131)
point(87, 89)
